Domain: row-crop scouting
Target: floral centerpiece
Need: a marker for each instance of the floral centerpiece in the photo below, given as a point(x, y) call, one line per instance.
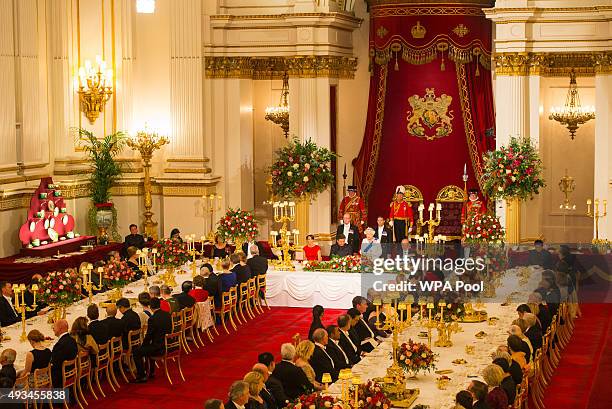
point(61, 288)
point(371, 396)
point(238, 226)
point(171, 253)
point(340, 264)
point(513, 171)
point(414, 357)
point(301, 169)
point(483, 228)
point(117, 274)
point(315, 401)
point(452, 312)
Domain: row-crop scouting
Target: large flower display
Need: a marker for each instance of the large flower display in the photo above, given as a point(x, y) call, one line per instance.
point(117, 274)
point(371, 396)
point(341, 264)
point(513, 171)
point(414, 357)
point(170, 253)
point(61, 288)
point(483, 228)
point(237, 225)
point(301, 169)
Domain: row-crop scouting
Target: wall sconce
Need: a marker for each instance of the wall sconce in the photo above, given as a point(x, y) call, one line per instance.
point(95, 88)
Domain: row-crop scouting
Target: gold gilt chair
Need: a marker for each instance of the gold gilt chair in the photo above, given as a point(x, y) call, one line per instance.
point(234, 296)
point(243, 303)
point(225, 309)
point(41, 378)
point(134, 341)
point(261, 291)
point(103, 366)
point(84, 364)
point(23, 385)
point(203, 320)
point(172, 351)
point(116, 356)
point(188, 329)
point(213, 315)
point(177, 321)
point(70, 372)
point(253, 297)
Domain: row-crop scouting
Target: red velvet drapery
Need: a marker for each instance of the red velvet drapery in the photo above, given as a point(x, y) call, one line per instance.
point(415, 50)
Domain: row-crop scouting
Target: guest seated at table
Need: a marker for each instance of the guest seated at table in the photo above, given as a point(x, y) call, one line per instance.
point(362, 334)
point(37, 358)
point(212, 284)
point(240, 267)
point(266, 393)
point(184, 299)
point(7, 360)
point(350, 348)
point(320, 360)
point(97, 328)
point(153, 343)
point(41, 308)
point(533, 332)
point(221, 249)
point(312, 251)
point(134, 239)
point(317, 316)
point(198, 292)
point(517, 329)
point(114, 255)
point(539, 256)
point(464, 399)
point(85, 342)
point(8, 315)
point(479, 391)
point(255, 380)
point(132, 262)
point(540, 310)
point(507, 383)
point(228, 277)
point(549, 291)
point(513, 367)
point(340, 248)
point(144, 299)
point(65, 349)
point(258, 263)
point(130, 319)
point(175, 235)
point(341, 359)
point(112, 323)
point(350, 233)
point(238, 395)
point(294, 379)
point(516, 350)
point(273, 384)
point(154, 291)
point(362, 328)
point(303, 353)
point(246, 248)
point(370, 247)
point(496, 397)
point(214, 404)
point(169, 304)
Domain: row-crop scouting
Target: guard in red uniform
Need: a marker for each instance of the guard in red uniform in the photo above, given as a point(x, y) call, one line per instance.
point(355, 206)
point(472, 206)
point(400, 215)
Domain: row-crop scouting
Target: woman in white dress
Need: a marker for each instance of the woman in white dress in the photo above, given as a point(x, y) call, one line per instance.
point(370, 246)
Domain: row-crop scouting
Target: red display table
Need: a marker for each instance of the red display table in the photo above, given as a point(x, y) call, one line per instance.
point(60, 247)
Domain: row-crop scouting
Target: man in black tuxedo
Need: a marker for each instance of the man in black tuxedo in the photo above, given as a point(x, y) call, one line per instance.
point(320, 360)
point(64, 349)
point(384, 235)
point(350, 348)
point(159, 324)
point(366, 335)
point(8, 315)
point(183, 298)
point(238, 395)
point(341, 359)
point(479, 392)
point(212, 285)
point(294, 380)
point(96, 328)
point(130, 320)
point(242, 270)
point(112, 323)
point(273, 384)
point(134, 239)
point(258, 263)
point(533, 332)
point(350, 231)
point(266, 394)
point(539, 256)
point(340, 248)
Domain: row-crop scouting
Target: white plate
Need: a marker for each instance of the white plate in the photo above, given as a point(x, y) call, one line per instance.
point(32, 226)
point(46, 224)
point(56, 211)
point(65, 219)
point(52, 222)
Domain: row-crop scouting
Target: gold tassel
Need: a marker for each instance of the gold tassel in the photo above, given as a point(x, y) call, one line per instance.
point(477, 70)
point(396, 63)
point(442, 66)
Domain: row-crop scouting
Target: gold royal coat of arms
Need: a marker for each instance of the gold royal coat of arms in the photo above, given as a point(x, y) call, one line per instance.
point(430, 113)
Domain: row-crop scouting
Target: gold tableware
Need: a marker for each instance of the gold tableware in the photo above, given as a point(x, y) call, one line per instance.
point(444, 372)
point(470, 349)
point(459, 361)
point(481, 335)
point(442, 382)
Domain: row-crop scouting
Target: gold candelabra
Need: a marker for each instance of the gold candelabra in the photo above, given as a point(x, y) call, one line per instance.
point(445, 329)
point(95, 88)
point(21, 307)
point(280, 114)
point(396, 320)
point(567, 185)
point(572, 114)
point(596, 216)
point(143, 265)
point(147, 143)
point(191, 241)
point(88, 284)
point(210, 204)
point(284, 212)
point(432, 223)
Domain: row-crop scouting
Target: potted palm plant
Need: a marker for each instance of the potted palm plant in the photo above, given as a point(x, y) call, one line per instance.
point(105, 171)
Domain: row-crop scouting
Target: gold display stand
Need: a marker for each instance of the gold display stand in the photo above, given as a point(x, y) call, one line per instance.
point(513, 221)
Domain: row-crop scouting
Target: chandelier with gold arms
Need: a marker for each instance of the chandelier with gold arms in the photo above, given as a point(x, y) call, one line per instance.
point(280, 114)
point(572, 114)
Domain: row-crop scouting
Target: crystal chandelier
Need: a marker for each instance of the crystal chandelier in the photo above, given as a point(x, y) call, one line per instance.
point(572, 114)
point(280, 114)
point(95, 88)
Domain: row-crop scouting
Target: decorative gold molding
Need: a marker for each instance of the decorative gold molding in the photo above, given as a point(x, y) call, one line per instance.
point(451, 193)
point(190, 190)
point(189, 160)
point(260, 68)
point(188, 170)
point(24, 178)
point(336, 15)
point(553, 64)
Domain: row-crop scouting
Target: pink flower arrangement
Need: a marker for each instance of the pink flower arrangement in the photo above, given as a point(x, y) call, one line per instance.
point(315, 401)
point(117, 274)
point(171, 253)
point(415, 357)
point(238, 225)
point(371, 396)
point(61, 288)
point(483, 228)
point(340, 264)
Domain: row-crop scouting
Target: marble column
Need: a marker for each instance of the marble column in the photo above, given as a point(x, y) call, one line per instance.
point(603, 149)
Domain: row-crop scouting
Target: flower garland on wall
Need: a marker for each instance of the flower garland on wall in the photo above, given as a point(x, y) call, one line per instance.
point(238, 226)
point(513, 171)
point(61, 288)
point(301, 169)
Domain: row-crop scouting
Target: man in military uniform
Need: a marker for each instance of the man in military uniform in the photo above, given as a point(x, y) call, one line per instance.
point(400, 215)
point(472, 206)
point(355, 206)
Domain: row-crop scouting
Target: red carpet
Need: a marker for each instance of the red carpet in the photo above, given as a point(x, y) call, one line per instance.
point(210, 370)
point(583, 377)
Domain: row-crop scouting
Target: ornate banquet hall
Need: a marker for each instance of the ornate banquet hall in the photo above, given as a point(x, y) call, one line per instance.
point(321, 204)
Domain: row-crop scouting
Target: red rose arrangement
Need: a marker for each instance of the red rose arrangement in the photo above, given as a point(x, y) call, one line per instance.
point(117, 274)
point(415, 357)
point(61, 288)
point(483, 228)
point(315, 401)
point(237, 226)
point(171, 253)
point(348, 264)
point(371, 396)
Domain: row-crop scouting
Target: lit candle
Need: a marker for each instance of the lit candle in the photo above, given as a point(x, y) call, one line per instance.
point(605, 205)
point(34, 291)
point(588, 206)
point(16, 293)
point(430, 307)
point(22, 288)
point(465, 168)
point(100, 273)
